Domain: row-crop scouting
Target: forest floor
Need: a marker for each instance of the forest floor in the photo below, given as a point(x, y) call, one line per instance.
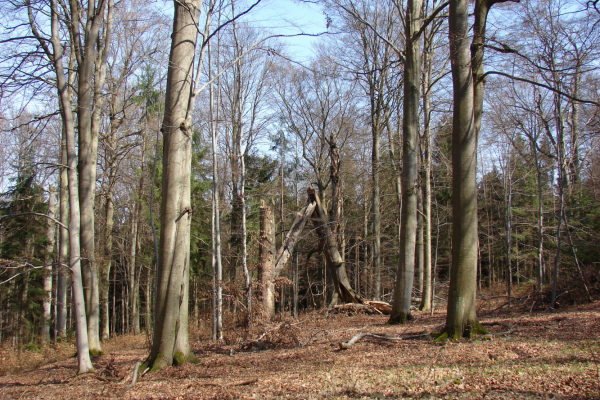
point(531, 355)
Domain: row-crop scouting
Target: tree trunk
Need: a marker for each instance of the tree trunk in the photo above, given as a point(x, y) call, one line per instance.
point(426, 143)
point(170, 339)
point(563, 188)
point(83, 351)
point(420, 244)
point(508, 222)
point(148, 300)
point(134, 276)
point(461, 319)
point(333, 259)
point(63, 248)
point(92, 72)
point(246, 272)
point(47, 273)
point(217, 266)
point(540, 212)
point(284, 253)
point(108, 242)
point(410, 165)
point(376, 213)
point(266, 255)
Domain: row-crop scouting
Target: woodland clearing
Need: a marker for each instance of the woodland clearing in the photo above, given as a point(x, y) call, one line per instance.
point(528, 355)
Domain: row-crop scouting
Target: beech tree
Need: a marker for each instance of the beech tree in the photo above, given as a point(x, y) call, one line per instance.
point(468, 84)
point(414, 25)
point(170, 343)
point(49, 40)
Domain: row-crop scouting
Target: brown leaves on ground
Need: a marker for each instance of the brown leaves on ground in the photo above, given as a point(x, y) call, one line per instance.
point(537, 355)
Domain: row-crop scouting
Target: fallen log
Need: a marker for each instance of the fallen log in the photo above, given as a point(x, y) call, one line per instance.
point(359, 336)
point(355, 308)
point(368, 307)
point(382, 306)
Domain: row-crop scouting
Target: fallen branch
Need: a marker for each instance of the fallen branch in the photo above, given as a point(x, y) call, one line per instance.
point(369, 307)
point(490, 335)
point(314, 335)
point(243, 383)
point(382, 306)
point(494, 323)
point(260, 344)
point(133, 378)
point(359, 336)
point(355, 308)
point(421, 335)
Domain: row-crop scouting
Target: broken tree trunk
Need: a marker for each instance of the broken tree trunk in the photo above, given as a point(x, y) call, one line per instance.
point(266, 253)
point(333, 259)
point(329, 246)
point(284, 253)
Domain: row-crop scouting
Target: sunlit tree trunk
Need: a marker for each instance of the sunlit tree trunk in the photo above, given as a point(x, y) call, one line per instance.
point(461, 319)
point(333, 259)
point(91, 60)
point(426, 144)
point(376, 212)
point(106, 263)
point(266, 256)
point(410, 165)
point(508, 196)
point(47, 273)
point(217, 266)
point(83, 354)
point(134, 275)
point(63, 248)
point(170, 339)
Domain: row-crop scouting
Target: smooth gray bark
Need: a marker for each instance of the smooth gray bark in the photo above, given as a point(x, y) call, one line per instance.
point(217, 266)
point(47, 272)
point(83, 351)
point(133, 271)
point(333, 259)
point(91, 60)
point(461, 319)
point(106, 262)
point(170, 339)
point(266, 256)
point(63, 248)
point(285, 252)
point(426, 296)
point(410, 165)
point(376, 212)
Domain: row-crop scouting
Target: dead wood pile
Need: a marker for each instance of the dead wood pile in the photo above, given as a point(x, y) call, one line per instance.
point(368, 307)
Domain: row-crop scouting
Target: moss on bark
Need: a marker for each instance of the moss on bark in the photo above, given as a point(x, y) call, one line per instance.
point(472, 328)
point(159, 363)
point(401, 318)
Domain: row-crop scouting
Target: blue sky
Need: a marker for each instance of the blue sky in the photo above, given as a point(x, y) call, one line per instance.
point(291, 17)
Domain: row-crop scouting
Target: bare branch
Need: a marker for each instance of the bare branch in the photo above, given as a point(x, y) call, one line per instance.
point(431, 17)
point(543, 85)
point(37, 214)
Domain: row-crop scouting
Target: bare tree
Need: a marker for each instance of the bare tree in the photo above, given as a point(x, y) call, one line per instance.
point(170, 338)
point(53, 48)
point(47, 284)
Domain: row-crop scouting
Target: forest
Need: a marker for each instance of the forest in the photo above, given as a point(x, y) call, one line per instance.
point(198, 179)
